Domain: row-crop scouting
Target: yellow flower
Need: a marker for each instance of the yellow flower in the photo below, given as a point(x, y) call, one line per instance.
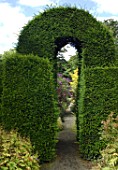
point(74, 82)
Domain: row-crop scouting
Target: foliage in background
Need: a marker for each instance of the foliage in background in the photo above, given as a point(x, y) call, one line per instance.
point(113, 26)
point(16, 152)
point(73, 62)
point(28, 101)
point(64, 93)
point(63, 88)
point(109, 159)
point(74, 82)
point(62, 67)
point(66, 66)
point(0, 79)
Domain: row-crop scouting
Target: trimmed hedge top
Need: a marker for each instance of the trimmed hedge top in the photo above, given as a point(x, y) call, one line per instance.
point(48, 32)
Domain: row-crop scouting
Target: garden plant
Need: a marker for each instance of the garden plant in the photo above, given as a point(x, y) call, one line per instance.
point(29, 98)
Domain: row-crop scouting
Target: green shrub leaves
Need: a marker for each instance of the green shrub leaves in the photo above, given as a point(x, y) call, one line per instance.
point(16, 152)
point(100, 88)
point(110, 135)
point(28, 101)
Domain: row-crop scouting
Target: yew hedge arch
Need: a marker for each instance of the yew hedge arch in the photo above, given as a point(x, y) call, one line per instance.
point(47, 33)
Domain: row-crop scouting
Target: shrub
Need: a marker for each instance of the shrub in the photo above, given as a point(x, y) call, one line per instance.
point(64, 93)
point(109, 134)
point(74, 82)
point(59, 124)
point(16, 152)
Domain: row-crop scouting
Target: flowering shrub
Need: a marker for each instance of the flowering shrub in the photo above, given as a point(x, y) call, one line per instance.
point(74, 82)
point(64, 89)
point(64, 93)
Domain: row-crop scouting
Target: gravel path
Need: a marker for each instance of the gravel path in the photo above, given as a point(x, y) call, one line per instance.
point(67, 150)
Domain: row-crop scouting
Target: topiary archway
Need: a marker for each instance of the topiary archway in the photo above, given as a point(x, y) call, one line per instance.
point(51, 30)
point(47, 33)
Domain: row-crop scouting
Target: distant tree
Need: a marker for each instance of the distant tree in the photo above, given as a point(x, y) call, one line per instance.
point(113, 26)
point(61, 62)
point(0, 56)
point(66, 66)
point(73, 62)
point(9, 52)
point(61, 53)
point(61, 65)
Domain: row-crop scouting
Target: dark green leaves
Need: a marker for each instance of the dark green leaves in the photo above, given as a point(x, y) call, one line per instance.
point(28, 101)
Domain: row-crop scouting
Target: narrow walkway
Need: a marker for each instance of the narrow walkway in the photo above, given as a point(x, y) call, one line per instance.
point(67, 150)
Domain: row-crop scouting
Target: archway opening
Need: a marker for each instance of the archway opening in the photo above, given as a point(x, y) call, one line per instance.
point(68, 62)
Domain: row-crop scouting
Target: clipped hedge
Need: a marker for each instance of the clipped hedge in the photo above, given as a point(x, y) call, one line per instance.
point(1, 88)
point(28, 101)
point(0, 79)
point(47, 33)
point(98, 97)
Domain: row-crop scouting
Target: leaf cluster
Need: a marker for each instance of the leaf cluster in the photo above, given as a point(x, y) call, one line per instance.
point(16, 152)
point(109, 134)
point(74, 82)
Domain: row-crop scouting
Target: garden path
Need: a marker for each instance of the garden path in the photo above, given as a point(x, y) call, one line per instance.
point(68, 157)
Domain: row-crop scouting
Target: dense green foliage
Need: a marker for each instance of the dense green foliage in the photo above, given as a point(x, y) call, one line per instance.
point(47, 33)
point(113, 27)
point(64, 94)
point(0, 85)
point(16, 152)
point(0, 79)
point(73, 62)
point(28, 101)
point(98, 96)
point(109, 159)
point(6, 53)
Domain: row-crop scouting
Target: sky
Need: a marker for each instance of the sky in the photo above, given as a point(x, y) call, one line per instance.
point(14, 14)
